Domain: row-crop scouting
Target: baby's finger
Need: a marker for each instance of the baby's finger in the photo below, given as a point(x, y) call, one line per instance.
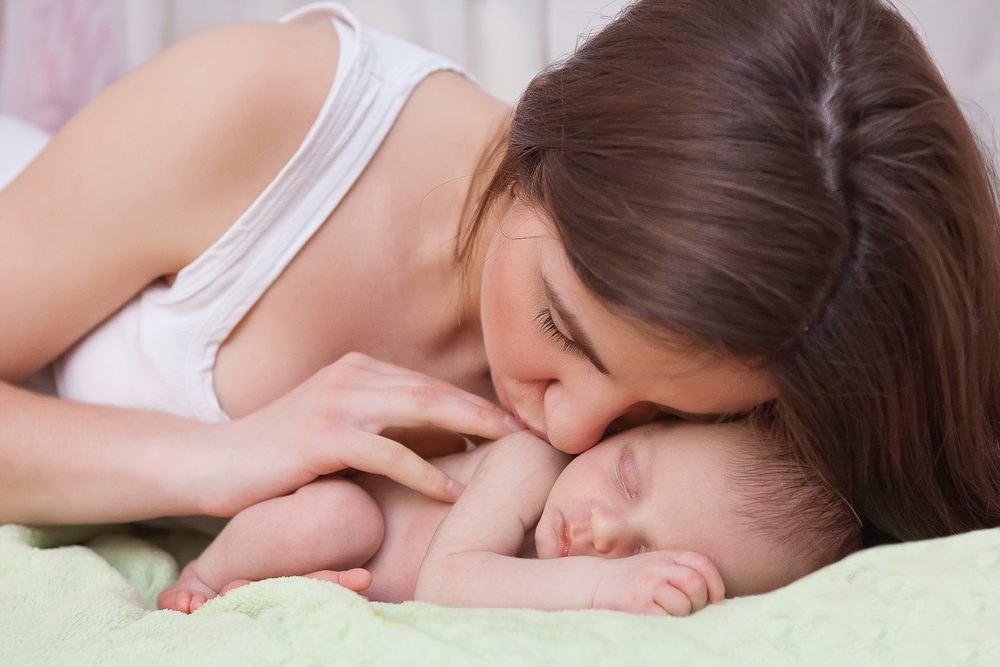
point(382, 456)
point(690, 582)
point(671, 600)
point(707, 569)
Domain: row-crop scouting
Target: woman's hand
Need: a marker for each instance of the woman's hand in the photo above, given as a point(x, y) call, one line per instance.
point(332, 422)
point(659, 583)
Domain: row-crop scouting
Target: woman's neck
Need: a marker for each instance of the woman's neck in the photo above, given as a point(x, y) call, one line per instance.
point(437, 304)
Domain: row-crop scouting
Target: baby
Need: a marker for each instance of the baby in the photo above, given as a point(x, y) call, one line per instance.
point(661, 519)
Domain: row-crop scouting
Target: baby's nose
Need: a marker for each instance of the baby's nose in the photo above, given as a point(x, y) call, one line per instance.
point(606, 530)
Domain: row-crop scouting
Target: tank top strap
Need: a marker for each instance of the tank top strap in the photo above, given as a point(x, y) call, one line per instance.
point(159, 350)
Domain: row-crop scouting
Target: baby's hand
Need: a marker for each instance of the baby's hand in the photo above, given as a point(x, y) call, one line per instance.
point(658, 583)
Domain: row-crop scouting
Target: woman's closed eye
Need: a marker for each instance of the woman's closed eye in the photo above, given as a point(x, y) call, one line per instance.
point(548, 326)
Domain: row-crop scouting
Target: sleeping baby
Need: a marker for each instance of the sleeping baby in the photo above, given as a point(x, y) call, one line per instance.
point(660, 519)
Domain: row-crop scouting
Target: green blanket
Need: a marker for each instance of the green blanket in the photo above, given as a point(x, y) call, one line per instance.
point(82, 596)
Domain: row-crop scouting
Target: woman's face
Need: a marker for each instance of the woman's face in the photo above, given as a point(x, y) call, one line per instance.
point(567, 367)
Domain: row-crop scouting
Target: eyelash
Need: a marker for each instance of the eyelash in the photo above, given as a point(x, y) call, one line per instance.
point(640, 548)
point(548, 326)
point(631, 493)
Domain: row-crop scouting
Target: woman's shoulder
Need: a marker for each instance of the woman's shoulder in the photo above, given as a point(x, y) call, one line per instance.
point(148, 175)
point(245, 96)
point(279, 74)
point(195, 134)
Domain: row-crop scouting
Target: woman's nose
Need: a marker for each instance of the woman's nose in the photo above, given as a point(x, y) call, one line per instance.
point(576, 420)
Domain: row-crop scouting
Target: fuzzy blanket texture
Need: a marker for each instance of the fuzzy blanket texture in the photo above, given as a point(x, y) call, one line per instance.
point(86, 596)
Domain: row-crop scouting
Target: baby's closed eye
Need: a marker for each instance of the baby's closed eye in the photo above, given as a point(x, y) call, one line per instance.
point(627, 473)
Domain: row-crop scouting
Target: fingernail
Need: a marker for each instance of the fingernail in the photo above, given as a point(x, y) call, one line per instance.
point(514, 424)
point(455, 489)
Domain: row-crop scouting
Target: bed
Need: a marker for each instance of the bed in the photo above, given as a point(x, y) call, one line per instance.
point(86, 596)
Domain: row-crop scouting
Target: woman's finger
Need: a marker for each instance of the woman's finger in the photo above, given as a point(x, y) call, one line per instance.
point(367, 372)
point(381, 456)
point(407, 407)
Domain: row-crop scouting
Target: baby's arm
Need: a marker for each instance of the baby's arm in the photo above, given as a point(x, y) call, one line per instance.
point(472, 559)
point(331, 523)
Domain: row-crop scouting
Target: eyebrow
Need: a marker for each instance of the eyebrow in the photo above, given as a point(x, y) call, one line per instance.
point(573, 327)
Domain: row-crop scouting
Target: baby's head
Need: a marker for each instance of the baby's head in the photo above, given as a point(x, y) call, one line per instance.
point(763, 519)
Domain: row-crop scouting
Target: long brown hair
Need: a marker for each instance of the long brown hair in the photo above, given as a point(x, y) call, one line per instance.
point(790, 183)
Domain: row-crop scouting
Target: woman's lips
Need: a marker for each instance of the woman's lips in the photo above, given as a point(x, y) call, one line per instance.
point(527, 424)
point(505, 401)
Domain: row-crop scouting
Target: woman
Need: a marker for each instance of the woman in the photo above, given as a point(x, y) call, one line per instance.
point(710, 209)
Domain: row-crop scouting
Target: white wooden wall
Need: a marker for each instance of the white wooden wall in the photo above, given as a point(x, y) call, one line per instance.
point(79, 45)
point(502, 42)
point(505, 42)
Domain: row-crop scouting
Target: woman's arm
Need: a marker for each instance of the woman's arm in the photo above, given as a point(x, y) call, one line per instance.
point(131, 190)
point(94, 464)
point(471, 561)
point(65, 462)
point(110, 205)
point(142, 180)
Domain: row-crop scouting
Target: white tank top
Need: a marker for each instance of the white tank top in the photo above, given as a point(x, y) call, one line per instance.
point(159, 350)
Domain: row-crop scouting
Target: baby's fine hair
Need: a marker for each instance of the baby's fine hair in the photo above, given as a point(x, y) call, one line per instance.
point(790, 503)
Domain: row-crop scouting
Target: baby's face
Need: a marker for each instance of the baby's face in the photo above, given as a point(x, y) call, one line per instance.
point(658, 487)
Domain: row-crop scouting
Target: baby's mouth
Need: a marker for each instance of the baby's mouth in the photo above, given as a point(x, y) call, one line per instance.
point(563, 539)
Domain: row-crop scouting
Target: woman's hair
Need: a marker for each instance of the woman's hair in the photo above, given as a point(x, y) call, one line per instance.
point(790, 183)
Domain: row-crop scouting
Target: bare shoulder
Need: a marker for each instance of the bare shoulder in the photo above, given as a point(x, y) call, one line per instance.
point(241, 98)
point(449, 112)
point(148, 175)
